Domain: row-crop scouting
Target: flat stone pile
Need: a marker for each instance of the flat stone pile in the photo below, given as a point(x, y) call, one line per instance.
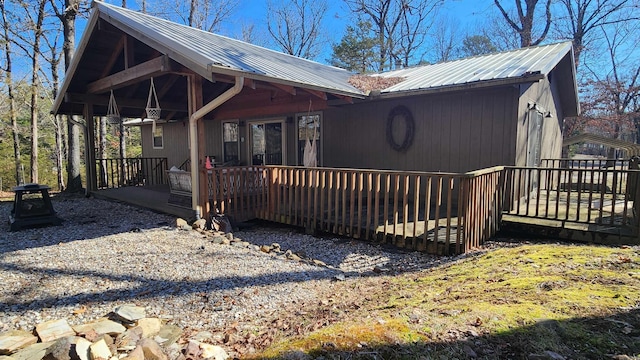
point(125, 334)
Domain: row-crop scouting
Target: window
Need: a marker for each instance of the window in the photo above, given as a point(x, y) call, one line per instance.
point(158, 139)
point(308, 129)
point(230, 142)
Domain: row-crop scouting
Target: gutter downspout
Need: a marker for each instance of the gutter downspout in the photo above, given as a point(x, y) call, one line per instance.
point(193, 135)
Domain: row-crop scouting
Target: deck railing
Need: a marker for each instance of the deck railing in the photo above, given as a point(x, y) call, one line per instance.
point(440, 213)
point(115, 173)
point(611, 164)
point(603, 198)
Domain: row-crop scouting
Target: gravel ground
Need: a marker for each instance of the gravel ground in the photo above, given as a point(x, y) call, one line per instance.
point(107, 254)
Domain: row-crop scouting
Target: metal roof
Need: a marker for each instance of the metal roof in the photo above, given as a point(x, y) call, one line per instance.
point(512, 65)
point(212, 53)
point(628, 147)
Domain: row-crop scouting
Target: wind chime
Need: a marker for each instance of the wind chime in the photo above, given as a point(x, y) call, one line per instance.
point(113, 114)
point(153, 107)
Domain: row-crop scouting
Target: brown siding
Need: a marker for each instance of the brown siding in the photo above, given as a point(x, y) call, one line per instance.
point(454, 132)
point(545, 95)
point(213, 134)
point(176, 147)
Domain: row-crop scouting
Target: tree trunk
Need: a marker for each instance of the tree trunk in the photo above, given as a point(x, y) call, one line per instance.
point(68, 19)
point(74, 178)
point(59, 151)
point(35, 68)
point(10, 97)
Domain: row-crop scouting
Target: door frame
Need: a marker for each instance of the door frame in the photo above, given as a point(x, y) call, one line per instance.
point(250, 123)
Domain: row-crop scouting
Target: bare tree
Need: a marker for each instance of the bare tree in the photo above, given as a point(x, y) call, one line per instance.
point(612, 98)
point(53, 58)
point(384, 15)
point(503, 36)
point(201, 14)
point(8, 79)
point(30, 39)
point(445, 37)
point(399, 25)
point(415, 23)
point(583, 16)
point(296, 26)
point(251, 34)
point(67, 13)
point(524, 23)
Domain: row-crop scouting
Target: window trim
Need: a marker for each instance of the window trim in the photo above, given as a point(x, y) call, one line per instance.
point(237, 122)
point(319, 145)
point(160, 130)
point(282, 121)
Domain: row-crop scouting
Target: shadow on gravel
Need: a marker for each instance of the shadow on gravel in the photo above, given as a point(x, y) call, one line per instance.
point(612, 336)
point(94, 218)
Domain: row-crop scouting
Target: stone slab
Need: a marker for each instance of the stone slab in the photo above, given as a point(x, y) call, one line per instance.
point(103, 326)
point(14, 340)
point(54, 330)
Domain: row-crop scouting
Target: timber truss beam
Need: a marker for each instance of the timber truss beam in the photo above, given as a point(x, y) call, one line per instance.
point(132, 75)
point(103, 100)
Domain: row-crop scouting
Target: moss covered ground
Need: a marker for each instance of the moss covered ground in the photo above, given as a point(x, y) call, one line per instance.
point(531, 301)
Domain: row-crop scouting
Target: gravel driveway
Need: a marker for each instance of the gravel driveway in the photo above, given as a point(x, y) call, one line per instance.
point(107, 254)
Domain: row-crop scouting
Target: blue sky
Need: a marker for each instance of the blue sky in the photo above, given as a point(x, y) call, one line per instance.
point(465, 12)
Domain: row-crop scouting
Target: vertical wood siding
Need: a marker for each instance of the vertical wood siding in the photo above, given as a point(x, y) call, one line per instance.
point(176, 146)
point(455, 132)
point(544, 94)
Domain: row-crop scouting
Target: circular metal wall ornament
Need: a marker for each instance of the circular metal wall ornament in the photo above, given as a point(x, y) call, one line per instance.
point(403, 112)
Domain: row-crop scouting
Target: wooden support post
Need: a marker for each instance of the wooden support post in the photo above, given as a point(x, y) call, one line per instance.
point(90, 146)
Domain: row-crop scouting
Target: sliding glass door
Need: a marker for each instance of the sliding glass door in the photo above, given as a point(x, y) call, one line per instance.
point(267, 143)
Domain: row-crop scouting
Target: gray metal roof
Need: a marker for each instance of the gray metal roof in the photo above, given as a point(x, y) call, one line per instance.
point(628, 147)
point(214, 53)
point(510, 65)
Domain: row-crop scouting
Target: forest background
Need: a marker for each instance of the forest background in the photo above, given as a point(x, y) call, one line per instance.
point(38, 39)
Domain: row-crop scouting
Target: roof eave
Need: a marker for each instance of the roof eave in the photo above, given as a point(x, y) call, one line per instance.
point(128, 27)
point(461, 87)
point(75, 61)
point(217, 69)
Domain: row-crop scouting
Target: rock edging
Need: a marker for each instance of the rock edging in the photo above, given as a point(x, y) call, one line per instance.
point(124, 334)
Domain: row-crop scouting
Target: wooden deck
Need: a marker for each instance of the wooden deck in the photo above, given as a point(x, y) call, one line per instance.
point(438, 213)
point(149, 197)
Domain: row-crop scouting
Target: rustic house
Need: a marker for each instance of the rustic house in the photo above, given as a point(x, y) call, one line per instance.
point(238, 103)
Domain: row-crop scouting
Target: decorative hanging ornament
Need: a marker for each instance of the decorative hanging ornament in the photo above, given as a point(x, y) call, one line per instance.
point(153, 106)
point(113, 115)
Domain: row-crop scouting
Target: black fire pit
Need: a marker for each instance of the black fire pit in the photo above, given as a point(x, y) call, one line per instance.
point(32, 207)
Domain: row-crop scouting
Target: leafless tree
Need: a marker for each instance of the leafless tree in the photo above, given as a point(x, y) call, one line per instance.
point(30, 39)
point(584, 16)
point(399, 25)
point(503, 36)
point(445, 39)
point(202, 14)
point(416, 21)
point(296, 26)
point(611, 102)
point(53, 57)
point(524, 23)
point(67, 11)
point(8, 80)
point(251, 34)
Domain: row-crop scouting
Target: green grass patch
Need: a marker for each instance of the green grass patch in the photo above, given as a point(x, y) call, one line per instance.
point(577, 301)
